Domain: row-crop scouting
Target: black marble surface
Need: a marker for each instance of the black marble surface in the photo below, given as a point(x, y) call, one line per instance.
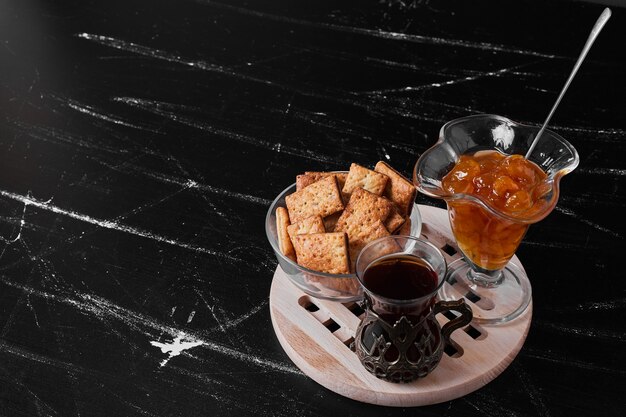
point(141, 143)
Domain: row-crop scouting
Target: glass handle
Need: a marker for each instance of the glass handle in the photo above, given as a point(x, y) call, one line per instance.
point(460, 321)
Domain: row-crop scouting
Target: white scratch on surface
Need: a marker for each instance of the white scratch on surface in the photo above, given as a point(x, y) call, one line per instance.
point(193, 313)
point(191, 184)
point(443, 83)
point(17, 237)
point(593, 306)
point(602, 305)
point(534, 394)
point(583, 332)
point(609, 131)
point(588, 222)
point(387, 157)
point(108, 224)
point(176, 347)
point(245, 316)
point(541, 90)
point(111, 119)
point(603, 171)
point(212, 310)
point(30, 305)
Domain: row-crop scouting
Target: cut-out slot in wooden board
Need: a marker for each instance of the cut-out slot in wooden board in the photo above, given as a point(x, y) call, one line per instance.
point(316, 334)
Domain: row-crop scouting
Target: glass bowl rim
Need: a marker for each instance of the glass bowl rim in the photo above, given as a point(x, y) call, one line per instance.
point(558, 137)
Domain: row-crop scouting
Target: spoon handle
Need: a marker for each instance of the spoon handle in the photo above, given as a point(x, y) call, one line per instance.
point(604, 17)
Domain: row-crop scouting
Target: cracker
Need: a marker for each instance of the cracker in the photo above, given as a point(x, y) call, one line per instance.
point(303, 180)
point(282, 224)
point(383, 248)
point(365, 208)
point(361, 177)
point(310, 177)
point(360, 234)
point(341, 176)
point(324, 252)
point(313, 224)
point(394, 221)
point(341, 179)
point(363, 220)
point(399, 189)
point(405, 229)
point(321, 198)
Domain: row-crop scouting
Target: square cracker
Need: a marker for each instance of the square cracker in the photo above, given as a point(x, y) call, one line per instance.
point(363, 220)
point(364, 207)
point(360, 234)
point(324, 252)
point(399, 189)
point(313, 224)
point(361, 177)
point(394, 221)
point(310, 177)
point(282, 225)
point(321, 198)
point(405, 229)
point(341, 177)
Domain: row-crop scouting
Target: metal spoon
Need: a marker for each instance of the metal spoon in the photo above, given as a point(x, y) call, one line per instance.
point(604, 17)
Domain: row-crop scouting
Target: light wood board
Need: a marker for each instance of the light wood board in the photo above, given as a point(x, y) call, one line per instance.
point(324, 355)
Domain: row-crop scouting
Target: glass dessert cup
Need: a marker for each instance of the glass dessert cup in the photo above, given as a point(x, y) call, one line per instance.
point(488, 237)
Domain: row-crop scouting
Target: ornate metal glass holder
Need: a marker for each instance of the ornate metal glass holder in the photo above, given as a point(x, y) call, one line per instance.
point(400, 340)
point(404, 351)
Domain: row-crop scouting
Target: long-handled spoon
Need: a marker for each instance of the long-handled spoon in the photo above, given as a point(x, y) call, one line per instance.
point(604, 17)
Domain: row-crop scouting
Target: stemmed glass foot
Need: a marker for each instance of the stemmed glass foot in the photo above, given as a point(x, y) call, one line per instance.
point(497, 297)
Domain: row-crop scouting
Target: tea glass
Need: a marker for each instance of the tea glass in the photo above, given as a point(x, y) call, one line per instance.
point(401, 340)
point(486, 236)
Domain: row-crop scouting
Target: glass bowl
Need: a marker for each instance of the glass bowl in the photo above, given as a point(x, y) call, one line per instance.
point(334, 287)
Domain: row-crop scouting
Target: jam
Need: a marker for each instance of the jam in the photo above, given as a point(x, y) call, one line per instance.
point(509, 184)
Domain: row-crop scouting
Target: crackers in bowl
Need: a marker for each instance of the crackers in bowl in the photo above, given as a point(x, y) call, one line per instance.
point(332, 216)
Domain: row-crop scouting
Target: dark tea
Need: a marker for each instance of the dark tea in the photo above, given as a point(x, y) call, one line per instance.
point(400, 277)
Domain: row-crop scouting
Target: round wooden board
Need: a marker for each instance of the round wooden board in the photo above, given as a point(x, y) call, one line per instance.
point(316, 334)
